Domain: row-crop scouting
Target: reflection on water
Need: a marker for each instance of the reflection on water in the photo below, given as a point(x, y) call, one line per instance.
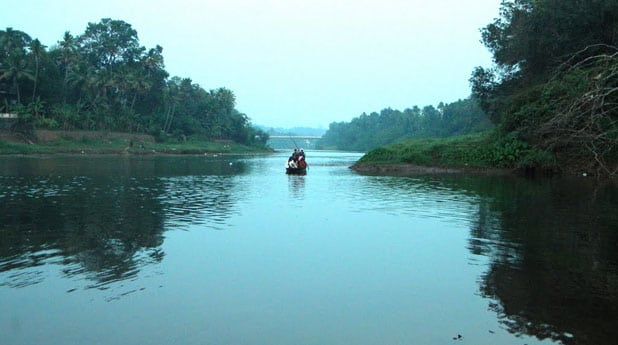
point(553, 269)
point(296, 185)
point(108, 223)
point(420, 197)
point(331, 257)
point(198, 200)
point(552, 247)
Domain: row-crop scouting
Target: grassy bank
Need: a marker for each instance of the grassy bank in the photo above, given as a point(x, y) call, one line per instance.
point(472, 152)
point(114, 145)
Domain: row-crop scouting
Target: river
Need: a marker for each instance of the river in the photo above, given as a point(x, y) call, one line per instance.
point(230, 250)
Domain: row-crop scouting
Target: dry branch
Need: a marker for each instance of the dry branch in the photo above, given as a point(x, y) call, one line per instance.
point(588, 119)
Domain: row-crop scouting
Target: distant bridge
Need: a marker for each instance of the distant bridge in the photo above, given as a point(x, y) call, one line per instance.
point(289, 142)
point(294, 137)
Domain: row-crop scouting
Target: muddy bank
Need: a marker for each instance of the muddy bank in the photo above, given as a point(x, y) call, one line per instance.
point(413, 169)
point(113, 143)
point(43, 136)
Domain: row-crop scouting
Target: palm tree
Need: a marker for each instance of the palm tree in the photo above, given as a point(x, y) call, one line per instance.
point(12, 57)
point(37, 50)
point(14, 70)
point(11, 40)
point(137, 84)
point(68, 59)
point(172, 97)
point(153, 61)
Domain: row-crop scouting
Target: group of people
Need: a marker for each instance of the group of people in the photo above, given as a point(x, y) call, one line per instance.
point(297, 160)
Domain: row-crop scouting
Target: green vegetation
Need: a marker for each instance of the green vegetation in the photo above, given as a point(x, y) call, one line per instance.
point(104, 80)
point(554, 82)
point(552, 93)
point(390, 126)
point(294, 131)
point(126, 146)
point(481, 150)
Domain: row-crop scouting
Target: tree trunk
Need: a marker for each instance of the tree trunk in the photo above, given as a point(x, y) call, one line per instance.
point(133, 101)
point(36, 76)
point(167, 115)
point(65, 85)
point(17, 89)
point(171, 118)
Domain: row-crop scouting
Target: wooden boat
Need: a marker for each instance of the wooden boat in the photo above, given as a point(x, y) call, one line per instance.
point(296, 171)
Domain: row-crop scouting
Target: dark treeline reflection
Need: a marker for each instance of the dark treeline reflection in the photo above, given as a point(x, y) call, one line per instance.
point(103, 218)
point(551, 246)
point(553, 251)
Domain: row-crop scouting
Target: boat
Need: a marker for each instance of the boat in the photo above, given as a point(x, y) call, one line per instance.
point(296, 171)
point(296, 165)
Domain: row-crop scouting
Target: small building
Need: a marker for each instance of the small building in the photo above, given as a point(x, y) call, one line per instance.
point(7, 120)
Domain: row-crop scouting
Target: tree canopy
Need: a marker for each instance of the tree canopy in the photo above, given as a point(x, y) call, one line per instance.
point(104, 79)
point(553, 81)
point(370, 131)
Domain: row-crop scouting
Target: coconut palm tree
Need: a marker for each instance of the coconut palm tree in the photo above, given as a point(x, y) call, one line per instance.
point(11, 40)
point(37, 50)
point(67, 60)
point(14, 69)
point(12, 57)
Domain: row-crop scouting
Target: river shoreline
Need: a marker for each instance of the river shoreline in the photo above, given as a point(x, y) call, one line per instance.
point(108, 143)
point(482, 154)
point(416, 170)
point(119, 154)
point(88, 151)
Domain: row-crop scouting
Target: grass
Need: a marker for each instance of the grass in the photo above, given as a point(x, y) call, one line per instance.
point(484, 150)
point(123, 146)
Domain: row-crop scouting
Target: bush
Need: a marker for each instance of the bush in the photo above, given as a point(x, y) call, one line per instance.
point(486, 150)
point(380, 155)
point(25, 121)
point(508, 151)
point(46, 123)
point(159, 135)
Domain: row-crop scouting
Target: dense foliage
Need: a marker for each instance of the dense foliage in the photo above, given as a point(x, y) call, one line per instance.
point(480, 150)
point(104, 79)
point(554, 81)
point(294, 131)
point(390, 126)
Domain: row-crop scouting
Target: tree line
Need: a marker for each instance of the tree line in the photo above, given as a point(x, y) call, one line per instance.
point(553, 83)
point(369, 131)
point(553, 87)
point(104, 79)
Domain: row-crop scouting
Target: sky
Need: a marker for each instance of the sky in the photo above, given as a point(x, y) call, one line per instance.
point(295, 62)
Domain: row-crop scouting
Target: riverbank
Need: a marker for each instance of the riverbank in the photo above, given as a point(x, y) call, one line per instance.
point(414, 169)
point(484, 153)
point(84, 142)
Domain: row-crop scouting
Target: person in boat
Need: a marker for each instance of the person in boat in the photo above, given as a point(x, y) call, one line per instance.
point(292, 162)
point(302, 163)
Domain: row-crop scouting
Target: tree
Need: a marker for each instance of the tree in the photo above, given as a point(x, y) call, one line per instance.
point(104, 79)
point(552, 84)
point(12, 40)
point(110, 43)
point(14, 69)
point(37, 50)
point(534, 36)
point(67, 59)
point(390, 126)
point(13, 65)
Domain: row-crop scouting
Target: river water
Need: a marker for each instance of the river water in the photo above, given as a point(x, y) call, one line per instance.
point(230, 250)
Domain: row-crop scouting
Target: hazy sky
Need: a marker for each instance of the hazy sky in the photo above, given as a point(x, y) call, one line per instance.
point(295, 62)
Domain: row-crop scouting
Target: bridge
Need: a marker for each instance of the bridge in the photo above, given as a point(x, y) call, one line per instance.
point(287, 142)
point(294, 137)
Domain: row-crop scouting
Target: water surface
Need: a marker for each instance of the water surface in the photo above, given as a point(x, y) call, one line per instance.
point(230, 250)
